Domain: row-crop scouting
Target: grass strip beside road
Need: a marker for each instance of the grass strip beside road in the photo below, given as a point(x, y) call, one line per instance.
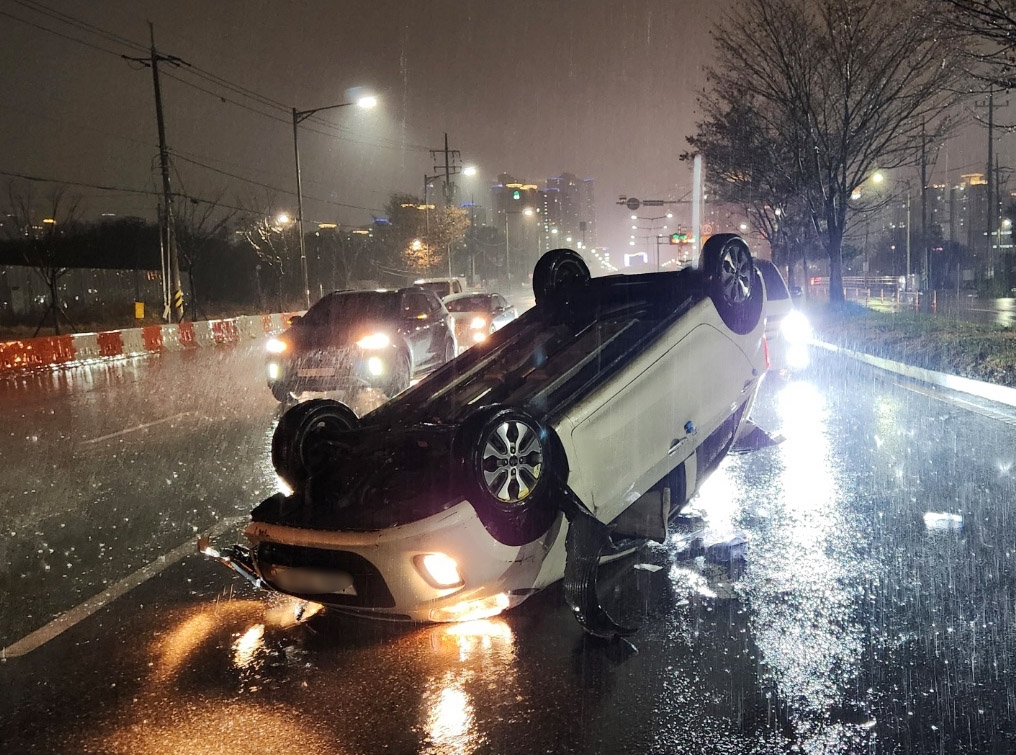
point(932, 341)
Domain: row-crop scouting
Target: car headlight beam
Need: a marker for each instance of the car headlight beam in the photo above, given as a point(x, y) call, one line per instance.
point(374, 341)
point(796, 328)
point(276, 346)
point(478, 323)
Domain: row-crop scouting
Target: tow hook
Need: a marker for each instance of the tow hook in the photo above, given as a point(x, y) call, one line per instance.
point(235, 557)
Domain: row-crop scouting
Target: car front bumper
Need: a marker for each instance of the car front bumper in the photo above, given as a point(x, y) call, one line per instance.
point(332, 370)
point(379, 574)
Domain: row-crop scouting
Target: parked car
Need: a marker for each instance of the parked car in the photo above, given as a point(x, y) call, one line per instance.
point(788, 331)
point(478, 315)
point(349, 339)
point(443, 287)
point(581, 428)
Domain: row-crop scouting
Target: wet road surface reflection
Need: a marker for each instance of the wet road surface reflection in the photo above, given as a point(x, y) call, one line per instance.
point(849, 591)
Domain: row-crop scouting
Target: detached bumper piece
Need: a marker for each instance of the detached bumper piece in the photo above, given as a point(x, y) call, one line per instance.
point(588, 540)
point(235, 557)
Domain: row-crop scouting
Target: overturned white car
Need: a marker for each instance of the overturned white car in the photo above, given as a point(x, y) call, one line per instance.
point(577, 430)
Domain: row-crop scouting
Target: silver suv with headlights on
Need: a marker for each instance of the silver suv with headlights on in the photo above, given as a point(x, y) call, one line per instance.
point(356, 339)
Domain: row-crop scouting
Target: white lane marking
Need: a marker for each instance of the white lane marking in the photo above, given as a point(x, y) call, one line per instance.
point(968, 405)
point(135, 429)
point(66, 620)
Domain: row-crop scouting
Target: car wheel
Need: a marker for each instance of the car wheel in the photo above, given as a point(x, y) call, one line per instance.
point(512, 459)
point(450, 349)
point(281, 393)
point(297, 443)
point(558, 273)
point(401, 373)
point(732, 281)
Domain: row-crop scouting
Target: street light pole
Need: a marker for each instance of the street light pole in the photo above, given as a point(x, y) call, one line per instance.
point(298, 117)
point(299, 205)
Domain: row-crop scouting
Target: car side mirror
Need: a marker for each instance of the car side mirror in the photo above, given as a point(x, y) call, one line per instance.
point(796, 292)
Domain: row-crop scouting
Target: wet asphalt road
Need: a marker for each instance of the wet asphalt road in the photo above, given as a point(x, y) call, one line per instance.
point(874, 609)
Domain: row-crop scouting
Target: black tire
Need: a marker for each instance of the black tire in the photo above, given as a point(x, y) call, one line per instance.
point(512, 462)
point(450, 350)
point(298, 439)
point(732, 281)
point(401, 374)
point(558, 274)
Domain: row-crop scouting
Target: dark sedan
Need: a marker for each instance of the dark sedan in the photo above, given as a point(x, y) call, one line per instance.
point(356, 339)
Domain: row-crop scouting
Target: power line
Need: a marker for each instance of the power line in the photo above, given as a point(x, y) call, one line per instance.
point(78, 183)
point(59, 34)
point(77, 23)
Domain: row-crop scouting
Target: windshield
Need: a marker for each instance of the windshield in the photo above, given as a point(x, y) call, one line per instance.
point(776, 288)
point(353, 306)
point(480, 303)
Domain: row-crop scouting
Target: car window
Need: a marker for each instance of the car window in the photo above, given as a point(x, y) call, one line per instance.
point(479, 303)
point(775, 287)
point(416, 303)
point(353, 305)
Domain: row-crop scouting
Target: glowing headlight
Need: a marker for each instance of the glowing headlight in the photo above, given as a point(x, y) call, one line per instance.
point(273, 371)
point(275, 346)
point(439, 570)
point(479, 337)
point(796, 328)
point(375, 366)
point(374, 341)
point(478, 323)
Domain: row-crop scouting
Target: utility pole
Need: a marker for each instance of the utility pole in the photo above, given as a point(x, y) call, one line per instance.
point(924, 210)
point(990, 177)
point(174, 298)
point(450, 168)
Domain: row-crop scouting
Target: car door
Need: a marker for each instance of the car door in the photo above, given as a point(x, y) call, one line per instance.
point(631, 432)
point(418, 323)
point(504, 313)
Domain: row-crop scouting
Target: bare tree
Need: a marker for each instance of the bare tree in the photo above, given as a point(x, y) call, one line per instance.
point(990, 27)
point(842, 88)
point(199, 230)
point(273, 236)
point(37, 224)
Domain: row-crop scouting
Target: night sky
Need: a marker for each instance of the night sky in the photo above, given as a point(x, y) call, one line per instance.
point(602, 88)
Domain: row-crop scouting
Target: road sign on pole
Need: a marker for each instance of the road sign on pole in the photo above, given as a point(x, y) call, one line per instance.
point(633, 203)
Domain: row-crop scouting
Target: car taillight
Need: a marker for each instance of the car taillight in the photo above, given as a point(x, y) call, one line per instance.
point(765, 350)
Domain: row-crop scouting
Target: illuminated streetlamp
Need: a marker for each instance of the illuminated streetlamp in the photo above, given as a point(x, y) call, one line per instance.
point(298, 117)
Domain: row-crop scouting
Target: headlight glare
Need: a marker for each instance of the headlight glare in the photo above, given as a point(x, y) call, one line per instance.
point(796, 328)
point(276, 346)
point(374, 341)
point(439, 570)
point(478, 323)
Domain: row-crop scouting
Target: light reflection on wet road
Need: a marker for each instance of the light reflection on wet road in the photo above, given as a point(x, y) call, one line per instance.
point(855, 623)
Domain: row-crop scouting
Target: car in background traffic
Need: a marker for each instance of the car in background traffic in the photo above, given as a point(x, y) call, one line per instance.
point(443, 287)
point(578, 432)
point(788, 331)
point(478, 315)
point(354, 339)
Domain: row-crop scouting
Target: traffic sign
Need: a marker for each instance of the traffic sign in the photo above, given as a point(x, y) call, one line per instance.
point(633, 203)
point(652, 203)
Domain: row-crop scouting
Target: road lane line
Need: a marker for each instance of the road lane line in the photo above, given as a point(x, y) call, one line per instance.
point(66, 620)
point(135, 429)
point(968, 405)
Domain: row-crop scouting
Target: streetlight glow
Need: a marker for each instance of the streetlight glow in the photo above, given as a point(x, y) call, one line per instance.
point(282, 218)
point(469, 170)
point(878, 177)
point(367, 102)
point(528, 212)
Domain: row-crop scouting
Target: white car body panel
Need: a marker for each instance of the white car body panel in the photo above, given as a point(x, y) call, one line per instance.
point(626, 436)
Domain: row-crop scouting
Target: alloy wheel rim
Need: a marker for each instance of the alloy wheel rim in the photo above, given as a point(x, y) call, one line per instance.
point(735, 275)
point(512, 461)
